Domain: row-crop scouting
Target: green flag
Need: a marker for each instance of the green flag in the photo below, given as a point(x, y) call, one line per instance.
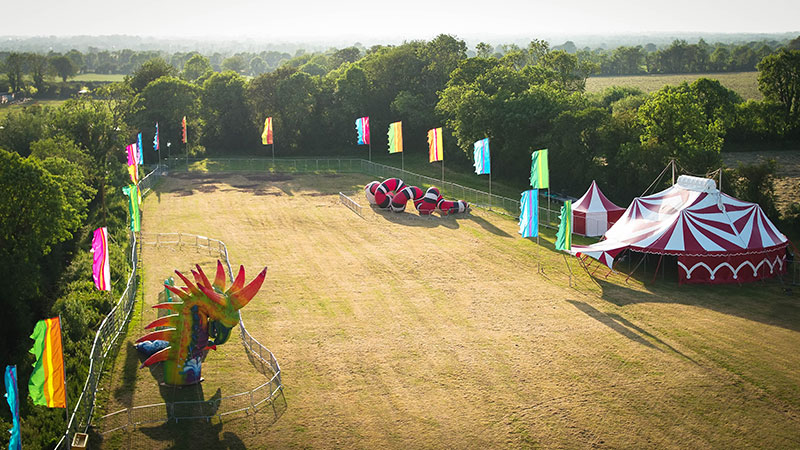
point(564, 235)
point(540, 173)
point(134, 196)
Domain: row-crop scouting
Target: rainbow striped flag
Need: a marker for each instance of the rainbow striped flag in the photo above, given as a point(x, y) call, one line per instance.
point(564, 235)
point(362, 128)
point(396, 137)
point(101, 268)
point(134, 198)
point(46, 386)
point(12, 397)
point(133, 171)
point(481, 157)
point(266, 135)
point(540, 173)
point(529, 213)
point(435, 147)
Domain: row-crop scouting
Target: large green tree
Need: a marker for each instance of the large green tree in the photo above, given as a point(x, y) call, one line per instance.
point(63, 67)
point(149, 72)
point(225, 115)
point(673, 122)
point(779, 81)
point(14, 67)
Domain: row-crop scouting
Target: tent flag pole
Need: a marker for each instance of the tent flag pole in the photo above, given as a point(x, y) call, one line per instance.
point(490, 191)
point(568, 268)
point(655, 274)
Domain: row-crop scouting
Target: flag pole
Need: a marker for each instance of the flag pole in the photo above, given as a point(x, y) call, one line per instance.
point(442, 172)
point(490, 190)
point(370, 150)
point(64, 371)
point(402, 162)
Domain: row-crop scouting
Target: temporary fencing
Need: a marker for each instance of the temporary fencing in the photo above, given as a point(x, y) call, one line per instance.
point(249, 402)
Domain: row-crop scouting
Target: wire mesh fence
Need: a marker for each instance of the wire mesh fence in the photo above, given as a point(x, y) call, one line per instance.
point(106, 337)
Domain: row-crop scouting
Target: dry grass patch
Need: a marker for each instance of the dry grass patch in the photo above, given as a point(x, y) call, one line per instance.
point(403, 331)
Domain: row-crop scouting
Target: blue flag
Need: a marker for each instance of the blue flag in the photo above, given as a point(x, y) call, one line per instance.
point(156, 145)
point(12, 396)
point(529, 213)
point(141, 155)
point(482, 163)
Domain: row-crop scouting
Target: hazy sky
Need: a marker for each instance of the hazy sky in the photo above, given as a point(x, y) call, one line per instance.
point(292, 19)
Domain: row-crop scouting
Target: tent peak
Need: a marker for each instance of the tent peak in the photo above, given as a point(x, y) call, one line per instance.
point(697, 184)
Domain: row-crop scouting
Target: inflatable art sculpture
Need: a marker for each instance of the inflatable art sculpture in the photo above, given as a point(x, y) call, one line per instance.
point(205, 310)
point(393, 194)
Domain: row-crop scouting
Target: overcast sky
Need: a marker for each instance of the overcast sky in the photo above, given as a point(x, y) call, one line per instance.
point(407, 19)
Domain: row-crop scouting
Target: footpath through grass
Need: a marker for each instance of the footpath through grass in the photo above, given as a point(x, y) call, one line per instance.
point(401, 331)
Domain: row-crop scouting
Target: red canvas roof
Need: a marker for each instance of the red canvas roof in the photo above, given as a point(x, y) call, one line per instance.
point(690, 218)
point(594, 201)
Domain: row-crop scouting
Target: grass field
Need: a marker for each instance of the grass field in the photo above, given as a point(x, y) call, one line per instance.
point(401, 331)
point(6, 109)
point(112, 78)
point(744, 83)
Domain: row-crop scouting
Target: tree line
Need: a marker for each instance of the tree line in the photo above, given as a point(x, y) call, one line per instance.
point(679, 57)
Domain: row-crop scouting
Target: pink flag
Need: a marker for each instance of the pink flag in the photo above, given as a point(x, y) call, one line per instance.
point(133, 154)
point(101, 269)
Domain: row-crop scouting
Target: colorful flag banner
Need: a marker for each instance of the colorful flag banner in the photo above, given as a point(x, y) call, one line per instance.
point(540, 173)
point(564, 235)
point(101, 267)
point(12, 397)
point(482, 162)
point(266, 135)
point(133, 154)
point(133, 171)
point(134, 198)
point(435, 147)
point(362, 127)
point(46, 386)
point(156, 143)
point(141, 147)
point(396, 137)
point(183, 134)
point(529, 213)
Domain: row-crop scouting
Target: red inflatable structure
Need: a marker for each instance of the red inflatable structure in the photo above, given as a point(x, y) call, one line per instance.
point(393, 194)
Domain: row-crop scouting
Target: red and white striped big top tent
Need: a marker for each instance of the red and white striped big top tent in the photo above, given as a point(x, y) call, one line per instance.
point(716, 238)
point(593, 213)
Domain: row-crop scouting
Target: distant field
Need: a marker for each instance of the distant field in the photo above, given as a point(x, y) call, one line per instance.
point(5, 110)
point(744, 83)
point(114, 77)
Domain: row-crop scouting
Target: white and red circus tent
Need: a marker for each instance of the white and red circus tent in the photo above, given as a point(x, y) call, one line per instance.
point(715, 237)
point(593, 213)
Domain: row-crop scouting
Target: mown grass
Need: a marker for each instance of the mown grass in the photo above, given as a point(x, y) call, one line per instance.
point(113, 77)
point(401, 331)
point(743, 83)
point(7, 109)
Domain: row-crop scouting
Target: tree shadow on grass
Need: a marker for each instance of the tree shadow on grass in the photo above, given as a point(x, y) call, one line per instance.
point(762, 301)
point(486, 225)
point(627, 328)
point(124, 392)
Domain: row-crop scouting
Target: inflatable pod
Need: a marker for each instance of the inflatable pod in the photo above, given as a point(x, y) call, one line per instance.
point(393, 194)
